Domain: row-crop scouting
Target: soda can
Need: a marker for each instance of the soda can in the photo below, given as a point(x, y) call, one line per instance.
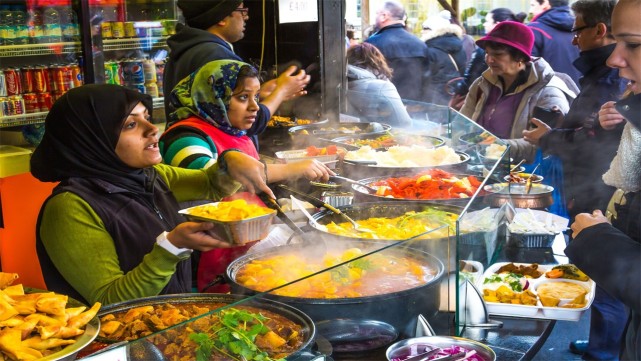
point(151, 88)
point(118, 29)
point(130, 29)
point(7, 108)
point(18, 104)
point(76, 75)
point(28, 83)
point(45, 101)
point(40, 81)
point(105, 30)
point(62, 78)
point(161, 91)
point(3, 85)
point(49, 75)
point(31, 104)
point(132, 71)
point(149, 70)
point(137, 87)
point(12, 81)
point(2, 114)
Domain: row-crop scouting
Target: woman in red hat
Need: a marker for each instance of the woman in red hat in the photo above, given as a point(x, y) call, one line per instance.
point(502, 100)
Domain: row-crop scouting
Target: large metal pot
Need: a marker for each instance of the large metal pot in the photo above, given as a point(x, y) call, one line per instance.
point(539, 197)
point(419, 343)
point(148, 352)
point(362, 195)
point(360, 170)
point(443, 248)
point(319, 134)
point(399, 139)
point(380, 318)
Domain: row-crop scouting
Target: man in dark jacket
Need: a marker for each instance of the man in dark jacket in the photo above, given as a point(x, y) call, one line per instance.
point(212, 27)
point(553, 38)
point(586, 150)
point(405, 53)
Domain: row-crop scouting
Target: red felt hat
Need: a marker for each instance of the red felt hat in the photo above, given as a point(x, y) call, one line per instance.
point(510, 33)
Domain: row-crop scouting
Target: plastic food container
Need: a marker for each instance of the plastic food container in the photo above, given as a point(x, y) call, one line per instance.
point(529, 240)
point(538, 310)
point(235, 232)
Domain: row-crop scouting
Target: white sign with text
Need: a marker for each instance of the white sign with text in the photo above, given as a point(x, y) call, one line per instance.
point(297, 11)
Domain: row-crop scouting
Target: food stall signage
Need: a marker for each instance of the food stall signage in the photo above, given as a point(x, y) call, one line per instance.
point(297, 11)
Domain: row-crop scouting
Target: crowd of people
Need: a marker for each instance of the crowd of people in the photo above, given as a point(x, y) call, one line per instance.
point(122, 181)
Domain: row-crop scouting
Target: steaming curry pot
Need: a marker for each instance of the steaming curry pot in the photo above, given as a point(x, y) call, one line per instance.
point(369, 309)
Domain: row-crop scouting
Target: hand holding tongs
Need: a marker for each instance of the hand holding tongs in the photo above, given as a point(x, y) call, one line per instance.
point(528, 182)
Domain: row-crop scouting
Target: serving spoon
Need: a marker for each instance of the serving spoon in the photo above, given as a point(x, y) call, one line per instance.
point(369, 189)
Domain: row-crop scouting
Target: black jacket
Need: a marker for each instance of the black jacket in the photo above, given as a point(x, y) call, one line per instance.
point(585, 148)
point(405, 54)
point(191, 48)
point(553, 40)
point(442, 68)
point(131, 230)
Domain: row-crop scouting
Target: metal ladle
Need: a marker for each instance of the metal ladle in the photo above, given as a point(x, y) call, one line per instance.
point(338, 178)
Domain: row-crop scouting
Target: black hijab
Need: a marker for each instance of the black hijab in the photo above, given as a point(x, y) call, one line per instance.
point(81, 133)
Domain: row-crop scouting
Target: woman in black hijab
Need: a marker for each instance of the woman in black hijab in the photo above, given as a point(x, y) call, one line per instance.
point(111, 231)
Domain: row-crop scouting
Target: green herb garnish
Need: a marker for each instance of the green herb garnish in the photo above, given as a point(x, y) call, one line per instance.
point(233, 336)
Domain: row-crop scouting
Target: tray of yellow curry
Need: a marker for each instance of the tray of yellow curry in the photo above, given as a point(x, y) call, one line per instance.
point(559, 292)
point(237, 221)
point(392, 221)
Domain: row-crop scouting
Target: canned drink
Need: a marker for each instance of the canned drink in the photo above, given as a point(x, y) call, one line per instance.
point(28, 83)
point(40, 81)
point(132, 71)
point(55, 96)
point(149, 70)
point(151, 88)
point(7, 108)
point(76, 75)
point(160, 71)
point(2, 114)
point(112, 73)
point(130, 29)
point(12, 81)
point(143, 32)
point(62, 78)
point(137, 87)
point(105, 30)
point(118, 29)
point(45, 101)
point(18, 104)
point(49, 76)
point(161, 91)
point(31, 104)
point(3, 85)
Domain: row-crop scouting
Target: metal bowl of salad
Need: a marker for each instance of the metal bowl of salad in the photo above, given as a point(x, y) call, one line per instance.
point(448, 348)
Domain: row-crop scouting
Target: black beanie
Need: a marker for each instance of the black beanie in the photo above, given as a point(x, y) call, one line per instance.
point(202, 14)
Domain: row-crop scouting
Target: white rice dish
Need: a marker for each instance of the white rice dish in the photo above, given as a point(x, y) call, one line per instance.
point(494, 151)
point(406, 156)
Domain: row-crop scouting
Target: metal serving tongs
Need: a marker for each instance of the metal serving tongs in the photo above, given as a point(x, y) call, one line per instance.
point(528, 182)
point(272, 203)
point(338, 178)
point(516, 167)
point(319, 203)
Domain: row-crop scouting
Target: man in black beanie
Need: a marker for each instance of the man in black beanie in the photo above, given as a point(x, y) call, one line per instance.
point(212, 26)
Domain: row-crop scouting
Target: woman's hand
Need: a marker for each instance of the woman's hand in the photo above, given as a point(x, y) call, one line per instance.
point(585, 220)
point(195, 235)
point(311, 169)
point(534, 135)
point(609, 117)
point(248, 171)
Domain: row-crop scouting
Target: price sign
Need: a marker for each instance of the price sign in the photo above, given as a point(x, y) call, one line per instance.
point(297, 11)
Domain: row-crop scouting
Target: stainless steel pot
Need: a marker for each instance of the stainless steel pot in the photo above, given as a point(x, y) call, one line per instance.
point(145, 349)
point(397, 309)
point(482, 350)
point(400, 139)
point(362, 194)
point(360, 170)
point(319, 134)
point(539, 197)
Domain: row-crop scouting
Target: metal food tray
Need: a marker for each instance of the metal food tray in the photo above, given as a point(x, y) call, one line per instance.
point(289, 156)
point(91, 332)
point(538, 311)
point(236, 232)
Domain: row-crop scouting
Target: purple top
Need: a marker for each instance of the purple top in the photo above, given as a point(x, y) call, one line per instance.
point(499, 111)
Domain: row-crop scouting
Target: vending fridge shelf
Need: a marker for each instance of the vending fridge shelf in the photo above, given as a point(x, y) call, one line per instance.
point(39, 49)
point(134, 43)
